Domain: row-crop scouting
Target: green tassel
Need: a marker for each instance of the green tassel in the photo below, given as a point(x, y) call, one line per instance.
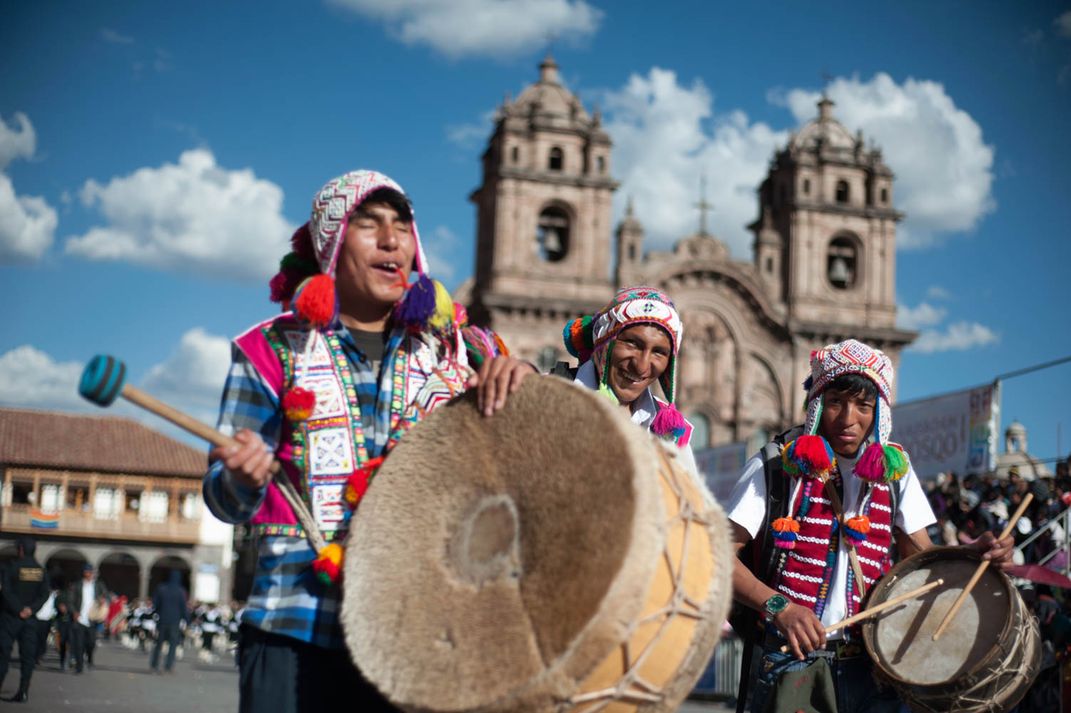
point(608, 393)
point(896, 463)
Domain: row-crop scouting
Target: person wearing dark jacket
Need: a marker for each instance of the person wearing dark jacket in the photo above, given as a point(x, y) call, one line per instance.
point(23, 590)
point(169, 602)
point(81, 596)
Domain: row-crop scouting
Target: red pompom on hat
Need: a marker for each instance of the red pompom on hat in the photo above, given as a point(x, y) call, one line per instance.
point(315, 301)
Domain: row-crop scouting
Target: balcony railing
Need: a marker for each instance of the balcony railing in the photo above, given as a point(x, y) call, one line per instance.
point(125, 526)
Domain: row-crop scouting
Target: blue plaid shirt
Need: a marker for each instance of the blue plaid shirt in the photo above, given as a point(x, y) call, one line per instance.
point(286, 598)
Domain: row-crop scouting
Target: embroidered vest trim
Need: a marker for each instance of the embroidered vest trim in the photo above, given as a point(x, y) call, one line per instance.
point(805, 573)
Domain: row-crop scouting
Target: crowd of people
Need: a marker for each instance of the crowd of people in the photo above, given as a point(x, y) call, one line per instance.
point(44, 614)
point(967, 506)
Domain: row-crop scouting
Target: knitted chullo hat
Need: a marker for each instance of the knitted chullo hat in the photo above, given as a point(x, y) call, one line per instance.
point(592, 336)
point(306, 276)
point(811, 456)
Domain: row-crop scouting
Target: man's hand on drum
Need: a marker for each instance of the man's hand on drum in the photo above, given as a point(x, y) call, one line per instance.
point(496, 380)
point(802, 629)
point(249, 461)
point(999, 552)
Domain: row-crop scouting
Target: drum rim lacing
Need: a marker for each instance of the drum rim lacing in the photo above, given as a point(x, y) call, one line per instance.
point(623, 691)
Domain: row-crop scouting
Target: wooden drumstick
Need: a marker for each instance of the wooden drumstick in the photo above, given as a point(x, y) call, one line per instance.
point(104, 380)
point(981, 569)
point(878, 608)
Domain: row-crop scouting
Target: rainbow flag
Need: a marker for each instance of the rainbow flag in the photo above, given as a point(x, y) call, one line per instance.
point(46, 520)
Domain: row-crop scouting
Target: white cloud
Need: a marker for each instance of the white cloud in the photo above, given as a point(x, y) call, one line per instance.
point(934, 336)
point(936, 292)
point(1063, 24)
point(499, 28)
point(925, 315)
point(471, 136)
point(116, 38)
point(192, 377)
point(665, 140)
point(192, 216)
point(959, 336)
point(14, 143)
point(442, 248)
point(944, 169)
point(30, 378)
point(27, 223)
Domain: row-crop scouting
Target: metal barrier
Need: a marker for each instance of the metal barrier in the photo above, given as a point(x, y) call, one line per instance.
point(1062, 520)
point(722, 674)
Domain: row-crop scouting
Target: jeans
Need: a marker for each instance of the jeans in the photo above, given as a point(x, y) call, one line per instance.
point(172, 634)
point(83, 644)
point(853, 679)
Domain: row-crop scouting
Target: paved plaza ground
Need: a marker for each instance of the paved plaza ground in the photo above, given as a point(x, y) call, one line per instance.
point(121, 682)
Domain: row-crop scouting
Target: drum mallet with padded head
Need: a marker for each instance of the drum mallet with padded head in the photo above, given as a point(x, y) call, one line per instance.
point(104, 380)
point(981, 569)
point(878, 608)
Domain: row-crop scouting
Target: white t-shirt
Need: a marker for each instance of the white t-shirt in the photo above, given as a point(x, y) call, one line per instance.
point(88, 599)
point(747, 508)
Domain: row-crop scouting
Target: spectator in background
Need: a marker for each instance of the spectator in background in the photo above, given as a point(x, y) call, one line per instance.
point(170, 603)
point(82, 598)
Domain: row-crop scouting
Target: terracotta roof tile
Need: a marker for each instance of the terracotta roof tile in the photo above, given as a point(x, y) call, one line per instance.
point(108, 444)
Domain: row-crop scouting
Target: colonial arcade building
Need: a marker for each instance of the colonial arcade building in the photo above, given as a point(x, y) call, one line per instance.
point(112, 493)
point(823, 266)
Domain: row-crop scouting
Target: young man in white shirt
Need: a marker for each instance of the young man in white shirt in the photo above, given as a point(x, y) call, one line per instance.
point(805, 579)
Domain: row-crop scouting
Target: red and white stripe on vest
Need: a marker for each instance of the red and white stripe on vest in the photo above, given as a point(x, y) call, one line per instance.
point(806, 571)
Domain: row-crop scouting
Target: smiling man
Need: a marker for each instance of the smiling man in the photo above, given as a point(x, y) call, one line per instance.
point(822, 502)
point(372, 344)
point(624, 349)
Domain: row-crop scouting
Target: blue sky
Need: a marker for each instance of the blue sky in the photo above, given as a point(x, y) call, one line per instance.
point(155, 156)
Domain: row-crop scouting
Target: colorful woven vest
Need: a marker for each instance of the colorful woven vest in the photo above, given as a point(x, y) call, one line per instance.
point(322, 450)
point(805, 572)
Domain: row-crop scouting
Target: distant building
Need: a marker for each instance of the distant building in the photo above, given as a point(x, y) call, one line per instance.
point(114, 493)
point(823, 268)
point(1017, 456)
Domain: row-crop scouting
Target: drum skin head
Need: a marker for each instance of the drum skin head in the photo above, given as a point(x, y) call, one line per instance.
point(495, 561)
point(985, 660)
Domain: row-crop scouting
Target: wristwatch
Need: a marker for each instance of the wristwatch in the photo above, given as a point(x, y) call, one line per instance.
point(774, 606)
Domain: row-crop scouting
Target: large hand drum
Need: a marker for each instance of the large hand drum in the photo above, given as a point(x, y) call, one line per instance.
point(552, 557)
point(985, 660)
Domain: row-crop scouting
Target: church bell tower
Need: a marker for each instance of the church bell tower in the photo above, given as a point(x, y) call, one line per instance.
point(543, 235)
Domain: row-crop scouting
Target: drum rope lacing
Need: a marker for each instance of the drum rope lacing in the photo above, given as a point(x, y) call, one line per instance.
point(633, 688)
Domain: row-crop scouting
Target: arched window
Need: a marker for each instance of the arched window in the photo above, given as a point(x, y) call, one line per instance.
point(700, 431)
point(842, 262)
point(632, 251)
point(547, 359)
point(556, 160)
point(600, 164)
point(843, 192)
point(884, 196)
point(769, 264)
point(552, 234)
point(515, 154)
point(806, 186)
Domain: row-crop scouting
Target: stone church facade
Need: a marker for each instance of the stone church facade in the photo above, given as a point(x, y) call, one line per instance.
point(823, 268)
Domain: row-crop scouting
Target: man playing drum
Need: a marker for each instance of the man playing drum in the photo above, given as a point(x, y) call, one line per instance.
point(623, 350)
point(818, 506)
point(327, 389)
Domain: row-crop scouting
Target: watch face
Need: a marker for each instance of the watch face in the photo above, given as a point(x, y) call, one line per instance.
point(776, 604)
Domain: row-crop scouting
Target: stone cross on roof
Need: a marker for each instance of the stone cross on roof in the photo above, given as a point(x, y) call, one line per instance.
point(703, 206)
